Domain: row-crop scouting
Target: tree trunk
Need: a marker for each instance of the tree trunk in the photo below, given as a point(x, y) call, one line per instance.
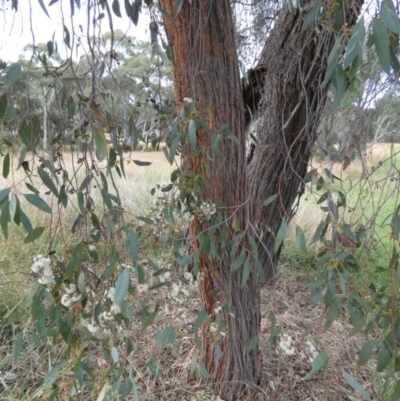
point(207, 71)
point(293, 64)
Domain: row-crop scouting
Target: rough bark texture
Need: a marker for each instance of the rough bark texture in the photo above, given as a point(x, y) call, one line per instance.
point(206, 70)
point(293, 64)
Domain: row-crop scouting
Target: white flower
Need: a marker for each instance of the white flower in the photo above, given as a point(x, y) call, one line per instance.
point(213, 327)
point(175, 290)
point(143, 287)
point(92, 328)
point(217, 309)
point(188, 276)
point(285, 344)
point(115, 309)
point(71, 289)
point(92, 248)
point(167, 275)
point(111, 293)
point(36, 267)
point(66, 300)
point(48, 271)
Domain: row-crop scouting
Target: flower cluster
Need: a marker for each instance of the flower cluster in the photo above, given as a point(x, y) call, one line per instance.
point(71, 296)
point(204, 211)
point(285, 344)
point(42, 267)
point(180, 293)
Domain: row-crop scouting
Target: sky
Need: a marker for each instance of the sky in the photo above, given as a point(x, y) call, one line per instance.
point(30, 24)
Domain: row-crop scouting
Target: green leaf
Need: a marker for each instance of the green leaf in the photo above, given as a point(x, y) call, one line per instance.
point(366, 351)
point(140, 163)
point(47, 181)
point(154, 367)
point(192, 134)
point(246, 272)
point(317, 296)
point(204, 372)
point(178, 6)
point(121, 287)
point(236, 223)
point(354, 47)
point(356, 386)
point(319, 362)
point(43, 7)
point(332, 60)
point(396, 393)
point(3, 105)
point(5, 218)
point(380, 38)
point(4, 194)
point(13, 73)
point(389, 16)
point(199, 320)
point(311, 17)
point(50, 47)
point(331, 315)
point(349, 97)
point(34, 235)
point(301, 240)
point(6, 165)
point(133, 244)
point(270, 199)
point(383, 359)
point(67, 39)
point(37, 201)
point(18, 347)
point(116, 9)
point(101, 144)
point(252, 344)
point(280, 235)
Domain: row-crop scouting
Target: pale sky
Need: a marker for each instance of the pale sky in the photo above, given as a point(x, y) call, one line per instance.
point(16, 28)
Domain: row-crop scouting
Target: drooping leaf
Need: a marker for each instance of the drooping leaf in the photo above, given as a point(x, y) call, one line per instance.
point(380, 38)
point(101, 144)
point(6, 165)
point(37, 201)
point(178, 6)
point(13, 73)
point(47, 181)
point(357, 386)
point(389, 16)
point(3, 105)
point(43, 7)
point(121, 287)
point(319, 362)
point(280, 235)
point(116, 9)
point(270, 199)
point(34, 234)
point(199, 320)
point(354, 47)
point(192, 134)
point(366, 351)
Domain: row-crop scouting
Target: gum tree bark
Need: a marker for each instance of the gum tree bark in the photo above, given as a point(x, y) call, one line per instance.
point(207, 71)
point(291, 69)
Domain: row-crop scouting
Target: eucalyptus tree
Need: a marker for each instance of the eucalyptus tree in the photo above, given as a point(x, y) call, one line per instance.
point(282, 98)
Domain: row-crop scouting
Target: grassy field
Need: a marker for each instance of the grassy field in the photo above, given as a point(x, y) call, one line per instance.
point(370, 199)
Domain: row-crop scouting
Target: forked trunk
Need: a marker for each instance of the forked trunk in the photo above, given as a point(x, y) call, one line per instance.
point(207, 71)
